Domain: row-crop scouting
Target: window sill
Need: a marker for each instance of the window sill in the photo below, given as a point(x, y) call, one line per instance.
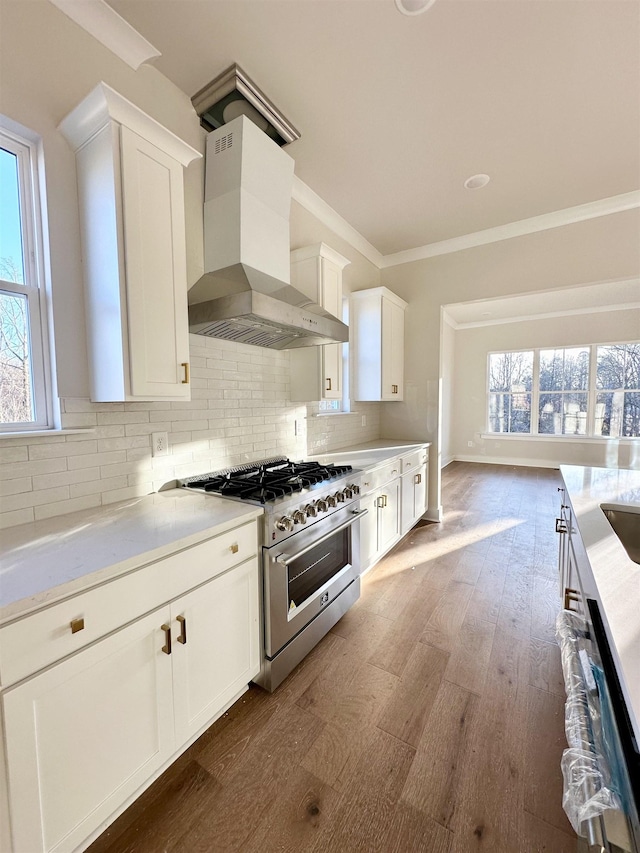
point(40, 433)
point(576, 439)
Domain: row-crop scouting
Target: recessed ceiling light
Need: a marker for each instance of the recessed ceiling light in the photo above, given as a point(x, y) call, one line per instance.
point(476, 182)
point(414, 7)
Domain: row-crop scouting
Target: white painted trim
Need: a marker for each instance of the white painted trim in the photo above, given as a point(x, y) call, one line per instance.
point(46, 433)
point(312, 202)
point(104, 104)
point(434, 514)
point(562, 439)
point(103, 23)
point(556, 219)
point(319, 250)
point(447, 461)
point(521, 318)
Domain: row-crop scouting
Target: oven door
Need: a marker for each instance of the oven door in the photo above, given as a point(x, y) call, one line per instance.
point(306, 572)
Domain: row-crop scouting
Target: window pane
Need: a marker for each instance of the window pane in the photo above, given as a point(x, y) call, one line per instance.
point(563, 414)
point(510, 371)
point(11, 264)
point(564, 369)
point(611, 366)
point(16, 382)
point(632, 367)
point(510, 412)
point(631, 417)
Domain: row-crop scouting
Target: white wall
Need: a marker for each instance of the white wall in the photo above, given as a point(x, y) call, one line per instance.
point(595, 250)
point(469, 390)
point(448, 377)
point(240, 409)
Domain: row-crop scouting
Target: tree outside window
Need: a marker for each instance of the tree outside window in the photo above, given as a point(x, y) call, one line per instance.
point(563, 391)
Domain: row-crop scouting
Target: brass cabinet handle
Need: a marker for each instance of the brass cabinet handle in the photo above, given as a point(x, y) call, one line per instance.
point(77, 625)
point(167, 638)
point(394, 389)
point(183, 629)
point(185, 365)
point(234, 548)
point(571, 595)
point(418, 478)
point(380, 502)
point(328, 381)
point(561, 525)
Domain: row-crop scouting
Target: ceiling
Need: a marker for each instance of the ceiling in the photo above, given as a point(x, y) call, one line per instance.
point(396, 112)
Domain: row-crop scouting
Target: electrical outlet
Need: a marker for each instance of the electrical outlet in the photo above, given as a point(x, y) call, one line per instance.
point(364, 420)
point(298, 427)
point(471, 444)
point(159, 444)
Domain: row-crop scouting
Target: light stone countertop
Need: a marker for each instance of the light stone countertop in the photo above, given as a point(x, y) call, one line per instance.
point(369, 453)
point(44, 561)
point(615, 575)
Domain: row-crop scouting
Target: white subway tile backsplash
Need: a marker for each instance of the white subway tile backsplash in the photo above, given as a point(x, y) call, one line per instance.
point(240, 412)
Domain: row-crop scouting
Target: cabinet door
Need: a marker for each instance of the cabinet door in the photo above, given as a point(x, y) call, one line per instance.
point(331, 287)
point(392, 368)
point(156, 275)
point(85, 734)
point(388, 514)
point(332, 372)
point(221, 652)
point(368, 532)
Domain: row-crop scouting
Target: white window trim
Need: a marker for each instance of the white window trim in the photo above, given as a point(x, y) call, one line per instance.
point(26, 147)
point(592, 393)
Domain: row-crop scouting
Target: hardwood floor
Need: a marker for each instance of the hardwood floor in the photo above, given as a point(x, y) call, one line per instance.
point(430, 719)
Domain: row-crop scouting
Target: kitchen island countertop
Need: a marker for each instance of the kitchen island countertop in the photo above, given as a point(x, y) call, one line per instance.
point(45, 561)
point(616, 576)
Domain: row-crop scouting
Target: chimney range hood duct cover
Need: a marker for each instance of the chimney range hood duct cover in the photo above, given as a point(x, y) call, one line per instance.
point(245, 294)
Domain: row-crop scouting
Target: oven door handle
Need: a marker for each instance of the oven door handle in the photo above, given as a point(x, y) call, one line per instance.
point(285, 561)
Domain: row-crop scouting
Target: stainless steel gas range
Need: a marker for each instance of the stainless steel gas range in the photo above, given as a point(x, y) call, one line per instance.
point(310, 550)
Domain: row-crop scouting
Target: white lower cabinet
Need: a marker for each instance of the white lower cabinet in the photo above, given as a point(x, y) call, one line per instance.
point(83, 735)
point(380, 527)
point(414, 495)
point(223, 615)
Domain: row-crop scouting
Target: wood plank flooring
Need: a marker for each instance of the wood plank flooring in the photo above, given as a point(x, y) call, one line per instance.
point(429, 720)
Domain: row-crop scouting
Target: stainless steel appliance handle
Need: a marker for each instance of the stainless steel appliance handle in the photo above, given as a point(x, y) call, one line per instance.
point(285, 561)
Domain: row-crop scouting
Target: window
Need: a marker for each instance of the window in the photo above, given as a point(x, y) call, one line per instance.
point(564, 391)
point(617, 408)
point(583, 390)
point(510, 384)
point(23, 395)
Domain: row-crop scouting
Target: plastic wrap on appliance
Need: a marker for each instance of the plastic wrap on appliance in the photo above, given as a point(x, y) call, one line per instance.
point(588, 789)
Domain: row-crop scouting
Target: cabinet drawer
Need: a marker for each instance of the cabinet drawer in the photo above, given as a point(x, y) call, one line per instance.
point(413, 460)
point(389, 471)
point(48, 635)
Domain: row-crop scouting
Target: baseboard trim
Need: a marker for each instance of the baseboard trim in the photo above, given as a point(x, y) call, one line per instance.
point(434, 514)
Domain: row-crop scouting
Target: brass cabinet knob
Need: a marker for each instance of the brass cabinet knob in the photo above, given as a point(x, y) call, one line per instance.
point(234, 548)
point(77, 625)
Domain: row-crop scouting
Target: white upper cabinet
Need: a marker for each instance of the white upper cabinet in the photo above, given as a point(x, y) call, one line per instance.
point(131, 199)
point(316, 372)
point(377, 344)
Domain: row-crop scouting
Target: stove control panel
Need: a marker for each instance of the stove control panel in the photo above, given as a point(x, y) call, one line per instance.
point(298, 516)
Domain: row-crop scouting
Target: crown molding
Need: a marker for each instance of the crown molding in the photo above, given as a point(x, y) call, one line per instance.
point(104, 104)
point(544, 222)
point(547, 315)
point(109, 28)
point(312, 202)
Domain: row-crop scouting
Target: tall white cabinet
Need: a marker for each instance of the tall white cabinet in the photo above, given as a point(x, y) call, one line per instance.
point(131, 201)
point(316, 372)
point(376, 321)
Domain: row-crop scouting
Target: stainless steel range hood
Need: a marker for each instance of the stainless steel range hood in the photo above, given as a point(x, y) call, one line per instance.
point(245, 294)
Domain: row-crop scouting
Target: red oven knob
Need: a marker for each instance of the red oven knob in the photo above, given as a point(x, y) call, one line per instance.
point(285, 523)
point(299, 517)
point(322, 505)
point(311, 510)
